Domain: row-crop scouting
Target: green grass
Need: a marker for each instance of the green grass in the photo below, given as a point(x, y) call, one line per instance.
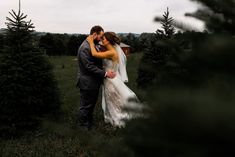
point(61, 137)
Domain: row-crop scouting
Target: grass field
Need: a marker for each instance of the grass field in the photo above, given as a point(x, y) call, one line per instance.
point(61, 137)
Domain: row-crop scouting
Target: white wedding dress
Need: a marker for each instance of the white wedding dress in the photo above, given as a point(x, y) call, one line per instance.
point(117, 98)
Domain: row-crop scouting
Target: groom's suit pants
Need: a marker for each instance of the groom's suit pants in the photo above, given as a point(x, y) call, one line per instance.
point(88, 99)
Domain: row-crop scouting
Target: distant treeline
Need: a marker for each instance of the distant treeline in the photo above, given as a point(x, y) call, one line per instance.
point(66, 44)
point(60, 44)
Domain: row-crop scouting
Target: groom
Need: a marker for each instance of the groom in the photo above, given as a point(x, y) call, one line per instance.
point(90, 78)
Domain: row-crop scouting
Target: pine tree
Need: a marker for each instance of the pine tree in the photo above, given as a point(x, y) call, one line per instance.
point(159, 49)
point(1, 42)
point(28, 89)
point(168, 28)
point(193, 116)
point(219, 16)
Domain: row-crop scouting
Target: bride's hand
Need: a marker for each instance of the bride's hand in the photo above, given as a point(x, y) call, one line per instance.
point(90, 39)
point(110, 74)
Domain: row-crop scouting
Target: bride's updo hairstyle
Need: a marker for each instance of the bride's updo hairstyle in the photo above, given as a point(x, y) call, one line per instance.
point(112, 38)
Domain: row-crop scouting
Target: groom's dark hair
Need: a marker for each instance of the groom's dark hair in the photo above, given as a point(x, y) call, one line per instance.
point(96, 29)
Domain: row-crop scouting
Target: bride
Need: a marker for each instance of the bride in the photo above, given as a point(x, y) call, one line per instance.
point(116, 96)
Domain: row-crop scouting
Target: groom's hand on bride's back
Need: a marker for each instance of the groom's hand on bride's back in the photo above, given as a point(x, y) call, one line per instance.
point(110, 74)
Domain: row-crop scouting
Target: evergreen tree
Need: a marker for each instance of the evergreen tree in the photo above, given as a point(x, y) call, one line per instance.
point(1, 42)
point(28, 89)
point(192, 112)
point(168, 28)
point(219, 16)
point(160, 48)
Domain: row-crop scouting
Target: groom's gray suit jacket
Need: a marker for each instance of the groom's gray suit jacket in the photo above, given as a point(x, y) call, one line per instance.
point(91, 69)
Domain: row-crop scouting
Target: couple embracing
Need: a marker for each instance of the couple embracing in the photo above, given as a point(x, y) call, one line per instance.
point(107, 69)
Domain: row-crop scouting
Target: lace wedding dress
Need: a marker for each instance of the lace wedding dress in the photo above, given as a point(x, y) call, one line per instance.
point(117, 98)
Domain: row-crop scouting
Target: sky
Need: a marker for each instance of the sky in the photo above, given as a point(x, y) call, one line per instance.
point(78, 16)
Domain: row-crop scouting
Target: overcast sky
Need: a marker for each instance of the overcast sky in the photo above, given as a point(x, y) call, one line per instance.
point(78, 16)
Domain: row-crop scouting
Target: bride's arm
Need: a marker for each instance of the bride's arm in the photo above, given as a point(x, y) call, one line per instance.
point(102, 55)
